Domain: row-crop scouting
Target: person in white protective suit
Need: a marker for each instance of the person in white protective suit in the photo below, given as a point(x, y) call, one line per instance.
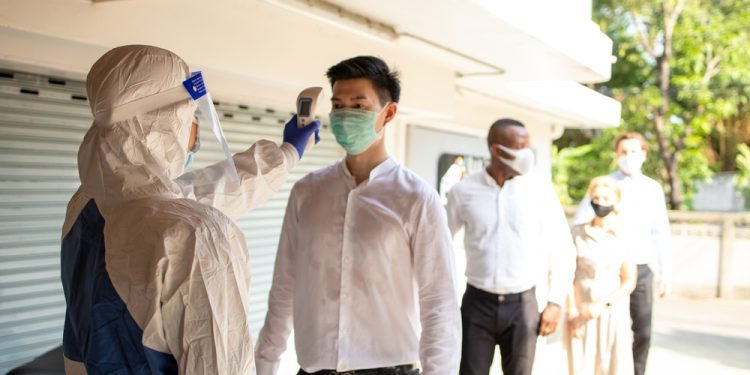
point(155, 271)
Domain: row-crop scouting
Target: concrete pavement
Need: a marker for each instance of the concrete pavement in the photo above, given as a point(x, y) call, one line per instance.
point(701, 336)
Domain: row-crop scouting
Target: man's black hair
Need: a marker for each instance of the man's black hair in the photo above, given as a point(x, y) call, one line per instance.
point(385, 81)
point(499, 125)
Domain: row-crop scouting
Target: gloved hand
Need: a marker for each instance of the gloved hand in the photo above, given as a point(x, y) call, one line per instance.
point(298, 137)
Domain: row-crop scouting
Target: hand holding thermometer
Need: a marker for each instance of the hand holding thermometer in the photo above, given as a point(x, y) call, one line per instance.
point(307, 104)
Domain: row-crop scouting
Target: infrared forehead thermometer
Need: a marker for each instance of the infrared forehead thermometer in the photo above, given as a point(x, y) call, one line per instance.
point(307, 105)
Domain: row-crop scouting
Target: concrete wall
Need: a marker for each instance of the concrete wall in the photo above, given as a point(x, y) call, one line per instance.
point(696, 264)
point(719, 194)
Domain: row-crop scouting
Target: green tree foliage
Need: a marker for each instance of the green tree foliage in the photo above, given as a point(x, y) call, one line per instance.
point(743, 175)
point(683, 78)
point(571, 176)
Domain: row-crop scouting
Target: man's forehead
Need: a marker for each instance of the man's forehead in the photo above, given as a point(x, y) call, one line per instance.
point(353, 88)
point(511, 133)
point(518, 131)
point(629, 144)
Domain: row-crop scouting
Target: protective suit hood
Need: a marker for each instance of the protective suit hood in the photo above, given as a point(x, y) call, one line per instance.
point(141, 156)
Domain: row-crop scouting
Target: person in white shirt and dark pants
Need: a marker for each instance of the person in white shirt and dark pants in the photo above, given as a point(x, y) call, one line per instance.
point(647, 232)
point(518, 251)
point(365, 268)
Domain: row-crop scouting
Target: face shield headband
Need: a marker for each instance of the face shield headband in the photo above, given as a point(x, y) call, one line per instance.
point(193, 88)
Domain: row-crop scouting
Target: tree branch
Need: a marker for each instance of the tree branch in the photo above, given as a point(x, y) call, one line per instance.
point(680, 143)
point(646, 44)
point(679, 8)
point(712, 63)
point(670, 17)
point(712, 69)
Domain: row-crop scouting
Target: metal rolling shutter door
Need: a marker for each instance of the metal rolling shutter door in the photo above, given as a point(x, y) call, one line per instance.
point(41, 126)
point(42, 122)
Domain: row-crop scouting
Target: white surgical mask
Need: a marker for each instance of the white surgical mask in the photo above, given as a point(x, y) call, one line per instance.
point(523, 162)
point(631, 164)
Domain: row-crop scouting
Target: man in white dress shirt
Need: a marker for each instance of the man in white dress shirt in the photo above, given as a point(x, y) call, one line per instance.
point(644, 213)
point(515, 236)
point(365, 269)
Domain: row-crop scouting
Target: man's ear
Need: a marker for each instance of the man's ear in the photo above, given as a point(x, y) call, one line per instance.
point(499, 153)
point(495, 151)
point(390, 113)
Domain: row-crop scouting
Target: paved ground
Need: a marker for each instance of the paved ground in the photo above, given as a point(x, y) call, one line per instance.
point(692, 336)
point(701, 337)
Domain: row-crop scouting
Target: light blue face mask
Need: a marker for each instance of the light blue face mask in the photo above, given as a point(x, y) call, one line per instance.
point(191, 154)
point(354, 129)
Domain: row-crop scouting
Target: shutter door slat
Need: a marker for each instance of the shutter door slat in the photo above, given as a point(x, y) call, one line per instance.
point(42, 123)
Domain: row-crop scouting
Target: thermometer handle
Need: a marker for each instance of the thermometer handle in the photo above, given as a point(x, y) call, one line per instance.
point(307, 103)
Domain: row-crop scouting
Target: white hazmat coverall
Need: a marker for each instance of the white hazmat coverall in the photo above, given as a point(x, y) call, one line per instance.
point(155, 271)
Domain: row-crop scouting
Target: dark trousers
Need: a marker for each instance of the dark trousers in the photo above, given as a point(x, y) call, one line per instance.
point(641, 308)
point(396, 370)
point(510, 320)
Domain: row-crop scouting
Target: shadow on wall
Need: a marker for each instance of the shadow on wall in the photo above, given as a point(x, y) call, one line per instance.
point(727, 350)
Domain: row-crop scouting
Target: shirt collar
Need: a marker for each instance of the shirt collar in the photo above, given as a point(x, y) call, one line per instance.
point(384, 167)
point(487, 179)
point(490, 181)
point(619, 176)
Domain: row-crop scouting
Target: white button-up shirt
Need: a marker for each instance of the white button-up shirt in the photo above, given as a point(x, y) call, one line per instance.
point(365, 275)
point(516, 236)
point(643, 211)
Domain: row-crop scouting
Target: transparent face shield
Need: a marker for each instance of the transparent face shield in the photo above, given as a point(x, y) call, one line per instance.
point(193, 88)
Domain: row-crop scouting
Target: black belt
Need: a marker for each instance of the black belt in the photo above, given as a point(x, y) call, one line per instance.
point(500, 298)
point(395, 370)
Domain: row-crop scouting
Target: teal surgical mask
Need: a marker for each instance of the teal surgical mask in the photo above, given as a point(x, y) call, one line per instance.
point(354, 129)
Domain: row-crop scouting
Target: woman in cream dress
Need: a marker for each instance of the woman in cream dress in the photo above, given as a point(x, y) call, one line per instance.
point(598, 338)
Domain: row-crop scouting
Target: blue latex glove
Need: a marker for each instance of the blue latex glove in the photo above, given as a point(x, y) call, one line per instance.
point(299, 137)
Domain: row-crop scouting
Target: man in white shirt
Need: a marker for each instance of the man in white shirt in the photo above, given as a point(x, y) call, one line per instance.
point(365, 270)
point(644, 213)
point(515, 235)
